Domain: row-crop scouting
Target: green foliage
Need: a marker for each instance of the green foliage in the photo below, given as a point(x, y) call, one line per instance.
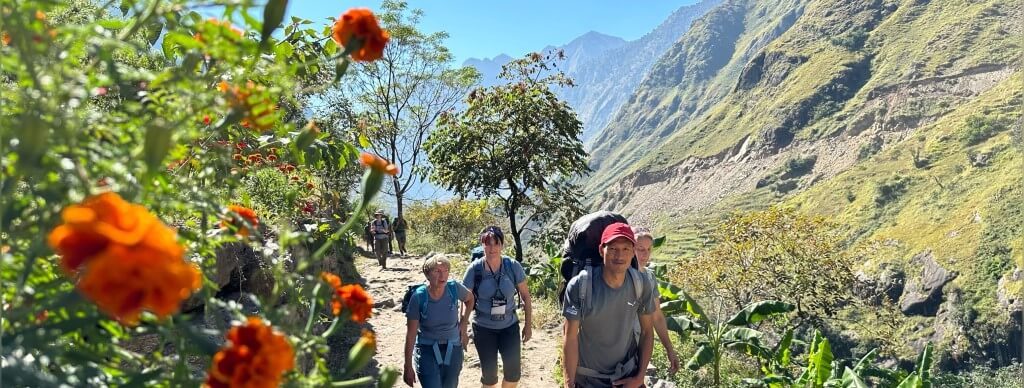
point(978, 128)
point(157, 105)
point(890, 189)
point(853, 40)
point(685, 316)
point(451, 226)
point(515, 141)
point(545, 276)
point(776, 254)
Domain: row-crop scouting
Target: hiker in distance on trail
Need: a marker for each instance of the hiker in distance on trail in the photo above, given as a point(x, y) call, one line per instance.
point(602, 303)
point(436, 331)
point(495, 280)
point(381, 232)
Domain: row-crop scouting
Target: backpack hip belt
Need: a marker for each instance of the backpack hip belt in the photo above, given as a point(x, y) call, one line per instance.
point(622, 369)
point(454, 342)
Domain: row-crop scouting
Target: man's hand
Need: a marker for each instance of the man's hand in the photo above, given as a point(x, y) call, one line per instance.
point(527, 333)
point(409, 376)
point(673, 362)
point(630, 382)
point(569, 383)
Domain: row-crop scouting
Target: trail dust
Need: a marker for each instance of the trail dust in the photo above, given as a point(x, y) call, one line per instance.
point(539, 355)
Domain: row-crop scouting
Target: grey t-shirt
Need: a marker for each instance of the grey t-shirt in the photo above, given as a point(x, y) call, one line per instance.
point(606, 334)
point(509, 276)
point(442, 321)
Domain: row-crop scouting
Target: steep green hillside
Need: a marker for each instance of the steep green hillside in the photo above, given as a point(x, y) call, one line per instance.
point(900, 120)
point(692, 76)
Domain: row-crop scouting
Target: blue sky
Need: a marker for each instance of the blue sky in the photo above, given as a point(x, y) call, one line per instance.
point(486, 28)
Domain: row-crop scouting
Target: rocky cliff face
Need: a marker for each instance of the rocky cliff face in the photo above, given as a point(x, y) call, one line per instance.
point(907, 116)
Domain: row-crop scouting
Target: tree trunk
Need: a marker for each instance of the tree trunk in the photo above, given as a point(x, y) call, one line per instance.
point(511, 208)
point(398, 196)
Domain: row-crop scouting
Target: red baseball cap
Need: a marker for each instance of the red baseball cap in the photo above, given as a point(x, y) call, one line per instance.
point(615, 231)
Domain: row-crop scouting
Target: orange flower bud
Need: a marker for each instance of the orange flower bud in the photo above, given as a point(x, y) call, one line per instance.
point(377, 163)
point(359, 23)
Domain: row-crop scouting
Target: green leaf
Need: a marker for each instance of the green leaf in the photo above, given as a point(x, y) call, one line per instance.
point(157, 145)
point(340, 67)
point(273, 14)
point(388, 377)
point(681, 324)
point(173, 40)
point(924, 366)
point(851, 380)
point(821, 361)
point(783, 351)
point(659, 242)
point(113, 24)
point(865, 361)
point(912, 381)
point(703, 356)
point(364, 141)
point(758, 311)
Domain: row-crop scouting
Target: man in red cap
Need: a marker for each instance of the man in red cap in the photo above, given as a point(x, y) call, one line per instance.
point(601, 306)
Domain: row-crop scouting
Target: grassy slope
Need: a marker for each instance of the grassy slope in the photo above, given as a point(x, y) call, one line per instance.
point(691, 77)
point(972, 222)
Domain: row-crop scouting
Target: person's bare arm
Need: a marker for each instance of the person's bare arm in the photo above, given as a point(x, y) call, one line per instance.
point(409, 373)
point(570, 352)
point(661, 328)
point(524, 292)
point(467, 308)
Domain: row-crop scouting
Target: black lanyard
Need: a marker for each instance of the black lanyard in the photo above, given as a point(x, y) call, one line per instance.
point(497, 280)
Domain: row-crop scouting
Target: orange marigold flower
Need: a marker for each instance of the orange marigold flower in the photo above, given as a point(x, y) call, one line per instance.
point(257, 356)
point(351, 296)
point(245, 213)
point(5, 38)
point(359, 23)
point(377, 163)
point(357, 301)
point(126, 260)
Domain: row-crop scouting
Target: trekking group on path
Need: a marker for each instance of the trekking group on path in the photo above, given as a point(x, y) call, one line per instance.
point(610, 305)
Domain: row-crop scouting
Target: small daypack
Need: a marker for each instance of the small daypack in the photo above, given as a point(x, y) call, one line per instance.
point(419, 291)
point(506, 269)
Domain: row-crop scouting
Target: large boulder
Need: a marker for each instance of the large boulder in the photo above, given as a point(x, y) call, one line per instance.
point(1010, 293)
point(923, 294)
point(887, 284)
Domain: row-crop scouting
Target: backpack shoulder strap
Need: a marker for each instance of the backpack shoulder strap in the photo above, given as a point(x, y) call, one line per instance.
point(638, 285)
point(585, 283)
point(422, 298)
point(478, 276)
point(453, 292)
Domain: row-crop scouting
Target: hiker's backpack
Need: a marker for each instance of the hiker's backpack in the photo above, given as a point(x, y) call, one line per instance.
point(476, 253)
point(506, 270)
point(419, 292)
point(581, 253)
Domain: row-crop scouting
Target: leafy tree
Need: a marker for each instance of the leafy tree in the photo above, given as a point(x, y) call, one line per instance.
point(450, 225)
point(516, 141)
point(394, 102)
point(776, 254)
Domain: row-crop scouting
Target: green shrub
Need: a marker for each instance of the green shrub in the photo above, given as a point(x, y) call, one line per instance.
point(890, 189)
point(979, 128)
point(450, 226)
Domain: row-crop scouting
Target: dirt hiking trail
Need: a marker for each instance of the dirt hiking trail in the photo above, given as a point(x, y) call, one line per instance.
point(540, 354)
